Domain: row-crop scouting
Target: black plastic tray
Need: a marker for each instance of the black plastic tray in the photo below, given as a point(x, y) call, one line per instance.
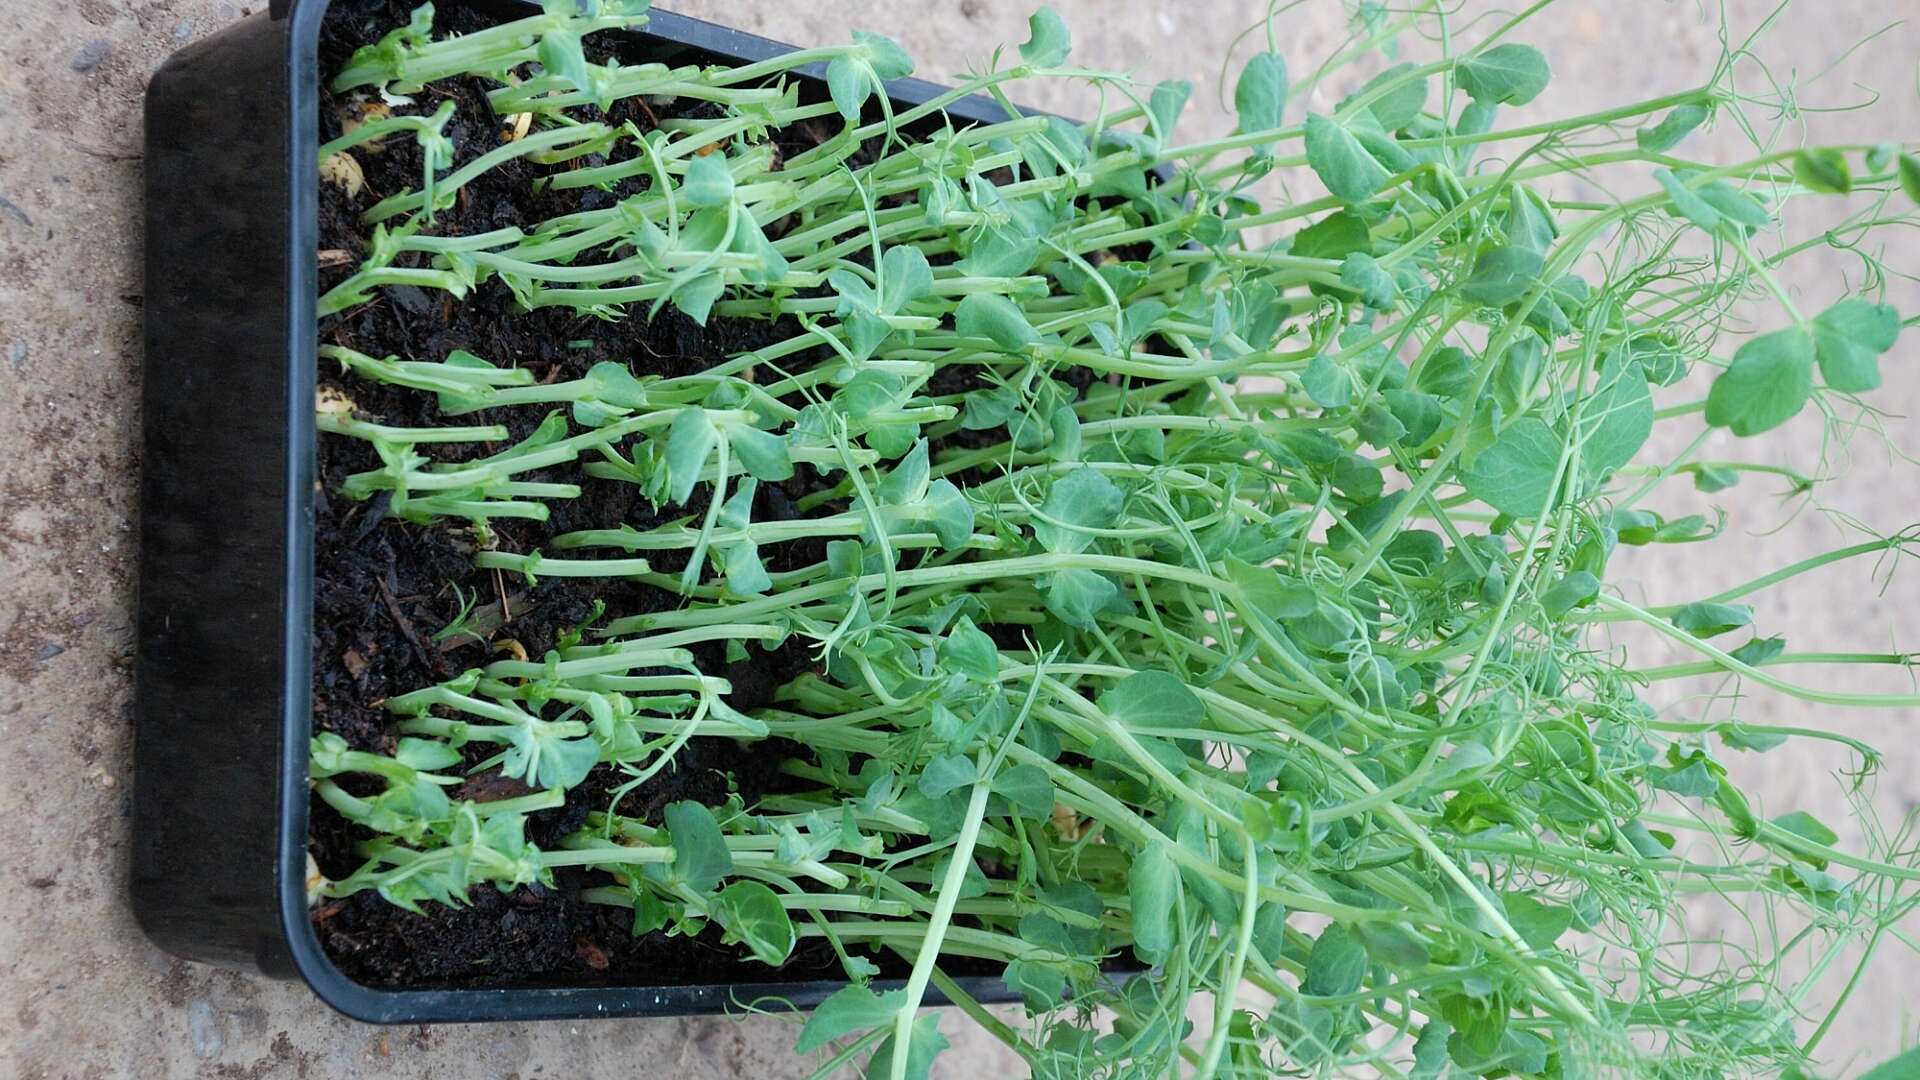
point(223, 677)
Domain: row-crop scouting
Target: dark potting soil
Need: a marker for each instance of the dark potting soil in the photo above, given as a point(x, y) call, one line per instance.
point(383, 587)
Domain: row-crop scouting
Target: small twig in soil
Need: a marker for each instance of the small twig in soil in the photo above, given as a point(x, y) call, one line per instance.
point(432, 662)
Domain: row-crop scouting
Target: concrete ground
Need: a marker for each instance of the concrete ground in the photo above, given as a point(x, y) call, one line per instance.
point(82, 994)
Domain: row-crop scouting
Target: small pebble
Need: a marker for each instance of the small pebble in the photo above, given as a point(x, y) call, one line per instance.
point(184, 30)
point(91, 54)
point(203, 1029)
point(411, 297)
point(17, 355)
point(50, 650)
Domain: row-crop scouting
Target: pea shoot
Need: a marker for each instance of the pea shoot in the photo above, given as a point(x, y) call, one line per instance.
point(1203, 584)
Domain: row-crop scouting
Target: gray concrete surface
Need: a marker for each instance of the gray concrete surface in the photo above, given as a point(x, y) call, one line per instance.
point(81, 994)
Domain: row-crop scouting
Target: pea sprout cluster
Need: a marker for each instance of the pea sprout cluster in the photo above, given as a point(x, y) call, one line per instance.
point(1211, 586)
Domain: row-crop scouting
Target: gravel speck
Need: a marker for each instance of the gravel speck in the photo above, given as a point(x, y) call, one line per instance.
point(203, 1029)
point(91, 54)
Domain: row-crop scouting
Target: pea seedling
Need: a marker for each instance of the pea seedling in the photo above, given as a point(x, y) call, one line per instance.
point(1226, 604)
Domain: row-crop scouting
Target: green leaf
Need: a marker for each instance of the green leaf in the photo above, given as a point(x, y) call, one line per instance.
point(946, 773)
point(1343, 165)
point(1807, 827)
point(1502, 276)
point(1902, 1067)
point(1759, 650)
point(1686, 203)
point(1529, 225)
point(1421, 414)
point(1430, 1052)
point(924, 1043)
point(1377, 426)
point(1692, 780)
point(425, 754)
point(1705, 620)
point(973, 883)
point(1166, 102)
point(690, 442)
point(1147, 700)
point(1476, 119)
point(904, 276)
point(1516, 382)
point(1328, 383)
point(1539, 924)
point(949, 514)
point(1260, 97)
point(708, 183)
point(1824, 171)
point(1333, 237)
point(1084, 498)
point(1735, 205)
point(1712, 478)
point(1574, 590)
point(1076, 595)
point(700, 854)
point(906, 482)
point(1048, 42)
point(1767, 384)
point(1848, 339)
point(1275, 596)
point(564, 763)
point(750, 912)
point(1449, 372)
point(1140, 317)
point(746, 574)
point(851, 1009)
point(1516, 474)
point(1617, 419)
point(762, 453)
point(1389, 944)
point(561, 55)
point(1336, 965)
point(990, 315)
point(1042, 986)
point(1909, 168)
point(967, 650)
point(1675, 126)
point(650, 913)
point(1363, 275)
point(696, 297)
point(1027, 788)
point(1153, 883)
point(1504, 75)
point(1396, 108)
point(989, 408)
point(848, 84)
point(888, 60)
